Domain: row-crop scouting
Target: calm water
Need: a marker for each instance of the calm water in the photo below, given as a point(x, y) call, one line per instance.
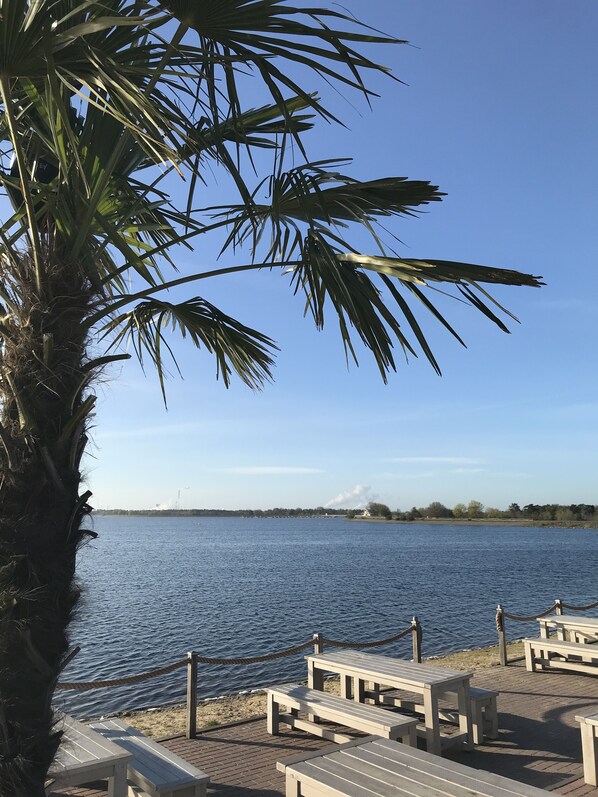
point(158, 587)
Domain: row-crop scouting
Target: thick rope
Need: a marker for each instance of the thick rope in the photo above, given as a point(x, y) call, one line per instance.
point(135, 679)
point(335, 644)
point(253, 659)
point(531, 616)
point(551, 609)
point(126, 679)
point(579, 608)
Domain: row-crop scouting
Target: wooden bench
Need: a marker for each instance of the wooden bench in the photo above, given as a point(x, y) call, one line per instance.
point(157, 771)
point(483, 710)
point(589, 746)
point(374, 767)
point(323, 706)
point(484, 713)
point(548, 653)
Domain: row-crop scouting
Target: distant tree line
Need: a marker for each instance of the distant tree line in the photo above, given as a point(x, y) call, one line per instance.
point(319, 511)
point(476, 510)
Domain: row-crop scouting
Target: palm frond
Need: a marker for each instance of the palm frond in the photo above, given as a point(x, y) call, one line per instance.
point(237, 348)
point(317, 196)
point(326, 277)
point(263, 34)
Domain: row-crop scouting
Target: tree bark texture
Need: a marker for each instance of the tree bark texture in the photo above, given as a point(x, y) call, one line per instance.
point(44, 411)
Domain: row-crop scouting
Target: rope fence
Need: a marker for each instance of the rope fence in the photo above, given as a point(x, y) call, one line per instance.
point(502, 615)
point(318, 642)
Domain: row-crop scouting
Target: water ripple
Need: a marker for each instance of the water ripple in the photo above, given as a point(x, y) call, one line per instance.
point(156, 588)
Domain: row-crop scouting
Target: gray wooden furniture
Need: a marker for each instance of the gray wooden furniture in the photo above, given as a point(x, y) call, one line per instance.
point(432, 683)
point(484, 713)
point(321, 705)
point(85, 756)
point(570, 628)
point(549, 653)
point(588, 724)
point(376, 767)
point(157, 771)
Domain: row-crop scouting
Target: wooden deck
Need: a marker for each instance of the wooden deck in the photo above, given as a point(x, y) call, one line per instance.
point(539, 740)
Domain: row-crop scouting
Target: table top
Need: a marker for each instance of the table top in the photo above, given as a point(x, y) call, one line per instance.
point(374, 667)
point(571, 620)
point(82, 749)
point(374, 767)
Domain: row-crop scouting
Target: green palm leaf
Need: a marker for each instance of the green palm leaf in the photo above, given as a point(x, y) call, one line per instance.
point(255, 33)
point(236, 347)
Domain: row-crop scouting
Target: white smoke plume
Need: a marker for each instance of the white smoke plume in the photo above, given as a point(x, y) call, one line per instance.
point(357, 498)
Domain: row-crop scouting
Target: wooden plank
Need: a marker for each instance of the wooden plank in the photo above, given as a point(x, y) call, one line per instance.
point(84, 755)
point(373, 779)
point(379, 768)
point(305, 756)
point(422, 760)
point(153, 767)
point(432, 778)
point(574, 648)
point(306, 699)
point(369, 719)
point(315, 780)
point(374, 667)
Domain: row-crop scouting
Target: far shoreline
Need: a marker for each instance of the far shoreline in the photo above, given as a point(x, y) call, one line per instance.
point(203, 513)
point(545, 524)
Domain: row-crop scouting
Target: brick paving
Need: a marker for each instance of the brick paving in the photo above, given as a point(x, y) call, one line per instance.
point(539, 741)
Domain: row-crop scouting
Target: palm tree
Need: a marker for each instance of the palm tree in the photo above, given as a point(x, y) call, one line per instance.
point(105, 106)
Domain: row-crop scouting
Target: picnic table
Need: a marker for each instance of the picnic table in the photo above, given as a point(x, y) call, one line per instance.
point(431, 683)
point(375, 767)
point(570, 628)
point(85, 756)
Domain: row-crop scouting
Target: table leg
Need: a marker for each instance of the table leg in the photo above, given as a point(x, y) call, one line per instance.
point(464, 708)
point(359, 690)
point(315, 676)
point(346, 686)
point(117, 785)
point(292, 786)
point(273, 715)
point(315, 680)
point(432, 721)
point(543, 630)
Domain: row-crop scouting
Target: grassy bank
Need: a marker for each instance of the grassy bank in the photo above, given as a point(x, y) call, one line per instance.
point(159, 723)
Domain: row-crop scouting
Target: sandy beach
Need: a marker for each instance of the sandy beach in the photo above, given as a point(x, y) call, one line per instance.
point(161, 723)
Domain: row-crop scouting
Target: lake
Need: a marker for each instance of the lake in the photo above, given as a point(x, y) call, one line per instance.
point(155, 588)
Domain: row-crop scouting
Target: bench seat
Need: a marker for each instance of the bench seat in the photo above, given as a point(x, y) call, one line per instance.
point(484, 712)
point(157, 771)
point(548, 653)
point(588, 724)
point(321, 705)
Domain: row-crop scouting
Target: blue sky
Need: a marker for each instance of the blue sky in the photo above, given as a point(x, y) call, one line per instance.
point(499, 110)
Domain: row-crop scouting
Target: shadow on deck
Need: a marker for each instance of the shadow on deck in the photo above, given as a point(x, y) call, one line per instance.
point(539, 740)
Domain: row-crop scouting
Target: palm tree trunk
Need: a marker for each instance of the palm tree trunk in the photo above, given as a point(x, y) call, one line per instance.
point(42, 425)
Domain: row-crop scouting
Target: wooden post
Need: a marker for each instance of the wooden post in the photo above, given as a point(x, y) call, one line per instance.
point(191, 695)
point(559, 605)
point(502, 639)
point(318, 643)
point(416, 638)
